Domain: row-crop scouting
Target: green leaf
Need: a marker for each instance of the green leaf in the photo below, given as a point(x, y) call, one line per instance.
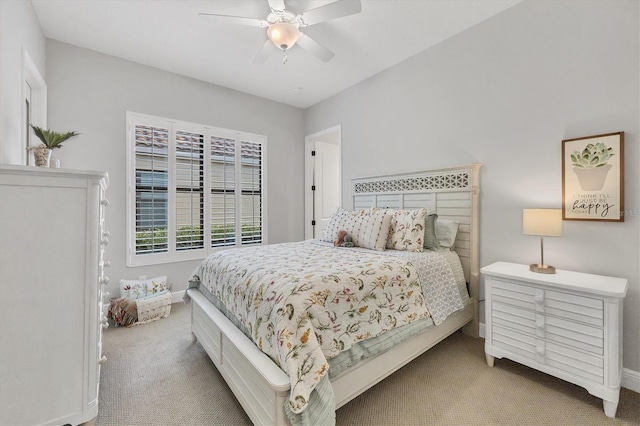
point(50, 138)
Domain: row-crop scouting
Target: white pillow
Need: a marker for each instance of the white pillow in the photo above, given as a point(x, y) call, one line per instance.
point(135, 289)
point(367, 228)
point(336, 223)
point(407, 230)
point(446, 231)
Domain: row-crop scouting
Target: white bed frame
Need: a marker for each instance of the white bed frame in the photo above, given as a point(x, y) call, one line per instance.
point(262, 387)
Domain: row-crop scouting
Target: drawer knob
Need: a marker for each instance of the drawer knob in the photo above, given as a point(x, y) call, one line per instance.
point(540, 324)
point(540, 351)
point(105, 280)
point(104, 241)
point(107, 264)
point(106, 233)
point(105, 325)
point(539, 299)
point(102, 359)
point(105, 202)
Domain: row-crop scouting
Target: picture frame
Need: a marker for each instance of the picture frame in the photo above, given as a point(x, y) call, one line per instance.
point(593, 178)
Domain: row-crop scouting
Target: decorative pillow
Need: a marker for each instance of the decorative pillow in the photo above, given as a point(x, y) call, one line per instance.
point(367, 228)
point(135, 289)
point(335, 224)
point(407, 230)
point(446, 231)
point(371, 229)
point(430, 238)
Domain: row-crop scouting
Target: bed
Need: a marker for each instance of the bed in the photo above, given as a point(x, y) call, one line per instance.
point(261, 386)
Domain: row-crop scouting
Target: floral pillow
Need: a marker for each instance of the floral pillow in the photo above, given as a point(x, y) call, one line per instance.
point(406, 231)
point(135, 289)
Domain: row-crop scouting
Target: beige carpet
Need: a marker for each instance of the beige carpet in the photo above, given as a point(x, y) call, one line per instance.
point(155, 375)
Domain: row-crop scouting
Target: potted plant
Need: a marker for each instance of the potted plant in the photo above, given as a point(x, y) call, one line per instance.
point(590, 166)
point(50, 140)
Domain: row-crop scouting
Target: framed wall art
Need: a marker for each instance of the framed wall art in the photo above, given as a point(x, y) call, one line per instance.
point(593, 178)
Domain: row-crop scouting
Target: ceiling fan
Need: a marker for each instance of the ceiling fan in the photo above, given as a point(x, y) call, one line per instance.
point(283, 26)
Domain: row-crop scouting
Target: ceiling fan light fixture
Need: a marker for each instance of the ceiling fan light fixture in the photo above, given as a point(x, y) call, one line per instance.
point(283, 34)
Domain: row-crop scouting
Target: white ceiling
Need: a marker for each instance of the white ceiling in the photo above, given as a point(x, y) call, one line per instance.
point(169, 35)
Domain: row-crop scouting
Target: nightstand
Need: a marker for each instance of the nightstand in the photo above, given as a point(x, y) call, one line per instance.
point(567, 324)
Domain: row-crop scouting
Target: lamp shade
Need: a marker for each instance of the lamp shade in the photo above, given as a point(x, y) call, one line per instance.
point(283, 34)
point(542, 222)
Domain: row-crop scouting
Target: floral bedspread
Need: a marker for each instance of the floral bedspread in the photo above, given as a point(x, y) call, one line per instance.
point(304, 303)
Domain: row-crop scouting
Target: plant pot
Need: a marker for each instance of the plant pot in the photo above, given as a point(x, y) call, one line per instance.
point(42, 156)
point(592, 179)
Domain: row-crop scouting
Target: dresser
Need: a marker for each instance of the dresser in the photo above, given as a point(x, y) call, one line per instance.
point(52, 260)
point(567, 324)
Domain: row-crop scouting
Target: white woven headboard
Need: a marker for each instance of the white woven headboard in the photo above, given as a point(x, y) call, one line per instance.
point(452, 193)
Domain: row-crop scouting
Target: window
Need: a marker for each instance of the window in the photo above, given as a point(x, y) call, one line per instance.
point(192, 189)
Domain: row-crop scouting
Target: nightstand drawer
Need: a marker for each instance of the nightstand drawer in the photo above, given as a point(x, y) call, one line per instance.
point(513, 294)
point(578, 336)
point(542, 351)
point(578, 363)
point(573, 307)
point(514, 342)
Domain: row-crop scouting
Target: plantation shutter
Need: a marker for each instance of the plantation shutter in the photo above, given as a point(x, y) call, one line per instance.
point(189, 208)
point(151, 163)
point(251, 187)
point(223, 192)
point(193, 189)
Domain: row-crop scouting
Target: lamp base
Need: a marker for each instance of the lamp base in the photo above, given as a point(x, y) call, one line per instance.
point(542, 269)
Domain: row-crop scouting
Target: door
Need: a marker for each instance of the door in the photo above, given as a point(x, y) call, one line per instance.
point(323, 194)
point(327, 184)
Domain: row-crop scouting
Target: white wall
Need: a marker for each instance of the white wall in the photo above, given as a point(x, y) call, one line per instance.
point(90, 92)
point(19, 28)
point(505, 93)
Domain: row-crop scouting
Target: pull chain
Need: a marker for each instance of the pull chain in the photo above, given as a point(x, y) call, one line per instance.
point(284, 56)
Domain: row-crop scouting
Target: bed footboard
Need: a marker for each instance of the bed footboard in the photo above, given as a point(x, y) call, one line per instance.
point(259, 385)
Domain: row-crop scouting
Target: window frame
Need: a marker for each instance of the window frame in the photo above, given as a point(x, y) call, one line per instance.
point(173, 254)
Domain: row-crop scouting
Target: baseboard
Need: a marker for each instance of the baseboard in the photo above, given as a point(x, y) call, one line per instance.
point(176, 296)
point(630, 379)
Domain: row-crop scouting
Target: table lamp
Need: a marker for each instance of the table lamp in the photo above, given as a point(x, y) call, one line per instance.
point(545, 223)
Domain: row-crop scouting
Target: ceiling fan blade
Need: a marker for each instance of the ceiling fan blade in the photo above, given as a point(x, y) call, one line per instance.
point(276, 5)
point(334, 10)
point(315, 48)
point(240, 20)
point(267, 49)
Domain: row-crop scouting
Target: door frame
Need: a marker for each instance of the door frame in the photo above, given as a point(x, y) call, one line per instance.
point(309, 145)
point(37, 115)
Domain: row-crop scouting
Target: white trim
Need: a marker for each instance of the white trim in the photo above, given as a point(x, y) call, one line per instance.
point(481, 332)
point(32, 77)
point(309, 145)
point(631, 380)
